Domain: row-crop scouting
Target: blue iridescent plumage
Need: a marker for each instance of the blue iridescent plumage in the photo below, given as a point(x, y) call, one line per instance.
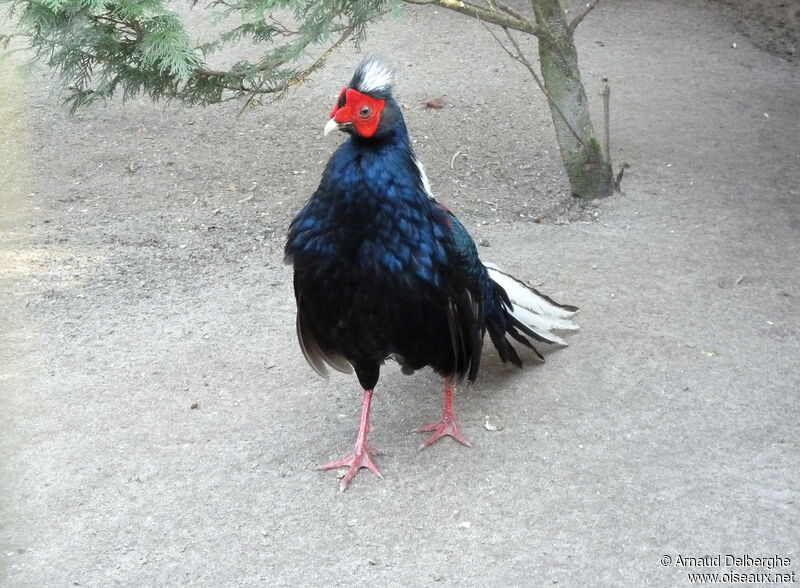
point(382, 270)
point(372, 252)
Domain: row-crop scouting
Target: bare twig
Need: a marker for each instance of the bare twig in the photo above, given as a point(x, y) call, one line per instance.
point(132, 27)
point(115, 21)
point(581, 15)
point(520, 57)
point(282, 28)
point(618, 180)
point(485, 14)
point(251, 102)
point(606, 116)
point(506, 8)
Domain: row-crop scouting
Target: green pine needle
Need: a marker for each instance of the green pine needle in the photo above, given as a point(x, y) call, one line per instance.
point(101, 48)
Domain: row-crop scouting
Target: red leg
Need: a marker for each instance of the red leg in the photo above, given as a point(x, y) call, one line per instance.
point(446, 425)
point(362, 452)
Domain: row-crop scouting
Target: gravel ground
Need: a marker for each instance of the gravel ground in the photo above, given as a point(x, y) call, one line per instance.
point(159, 424)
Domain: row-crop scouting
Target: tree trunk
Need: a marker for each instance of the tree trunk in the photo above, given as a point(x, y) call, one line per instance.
point(590, 176)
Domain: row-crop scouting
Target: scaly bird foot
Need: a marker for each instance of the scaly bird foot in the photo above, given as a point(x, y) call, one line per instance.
point(446, 425)
point(360, 458)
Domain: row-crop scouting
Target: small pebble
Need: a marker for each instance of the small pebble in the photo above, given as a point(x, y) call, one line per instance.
point(490, 425)
point(435, 103)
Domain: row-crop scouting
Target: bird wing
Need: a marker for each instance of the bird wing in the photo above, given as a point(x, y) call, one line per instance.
point(465, 312)
point(316, 356)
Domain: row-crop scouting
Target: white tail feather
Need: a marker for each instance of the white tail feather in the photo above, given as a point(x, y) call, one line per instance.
point(534, 310)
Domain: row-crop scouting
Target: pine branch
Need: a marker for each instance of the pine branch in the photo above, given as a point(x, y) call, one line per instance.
point(295, 80)
point(320, 62)
point(101, 47)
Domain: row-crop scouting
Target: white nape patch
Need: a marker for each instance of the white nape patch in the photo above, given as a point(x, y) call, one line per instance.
point(375, 75)
point(426, 185)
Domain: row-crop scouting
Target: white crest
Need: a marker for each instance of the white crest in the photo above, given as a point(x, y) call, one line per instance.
point(372, 75)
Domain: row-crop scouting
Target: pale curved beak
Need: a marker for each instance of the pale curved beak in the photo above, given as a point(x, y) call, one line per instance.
point(332, 125)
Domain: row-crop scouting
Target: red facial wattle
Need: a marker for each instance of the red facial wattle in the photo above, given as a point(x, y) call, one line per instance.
point(339, 102)
point(360, 110)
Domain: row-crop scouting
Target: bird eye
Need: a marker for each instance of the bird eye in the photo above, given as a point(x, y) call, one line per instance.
point(365, 111)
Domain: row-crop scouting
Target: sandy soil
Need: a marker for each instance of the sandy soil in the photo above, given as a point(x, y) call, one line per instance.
point(141, 269)
point(773, 25)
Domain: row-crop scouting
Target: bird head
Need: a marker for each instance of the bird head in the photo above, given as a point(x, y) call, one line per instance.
point(365, 107)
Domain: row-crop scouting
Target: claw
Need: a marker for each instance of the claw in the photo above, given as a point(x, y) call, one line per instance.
point(362, 451)
point(446, 425)
point(360, 458)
